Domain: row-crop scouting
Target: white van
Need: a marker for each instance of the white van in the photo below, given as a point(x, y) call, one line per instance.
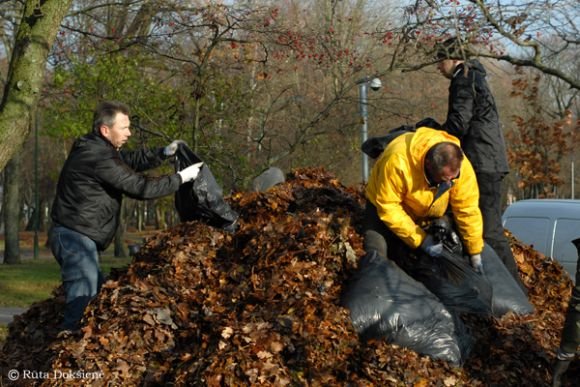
point(549, 225)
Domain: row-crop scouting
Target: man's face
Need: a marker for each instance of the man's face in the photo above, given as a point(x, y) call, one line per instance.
point(117, 134)
point(444, 175)
point(446, 67)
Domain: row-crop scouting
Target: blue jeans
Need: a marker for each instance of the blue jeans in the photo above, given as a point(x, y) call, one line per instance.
point(81, 275)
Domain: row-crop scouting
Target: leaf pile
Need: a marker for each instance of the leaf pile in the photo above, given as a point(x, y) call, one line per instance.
point(261, 307)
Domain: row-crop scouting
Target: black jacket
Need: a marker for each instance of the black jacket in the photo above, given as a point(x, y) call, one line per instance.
point(473, 118)
point(92, 183)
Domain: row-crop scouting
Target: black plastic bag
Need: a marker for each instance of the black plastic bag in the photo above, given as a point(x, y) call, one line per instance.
point(374, 146)
point(508, 296)
point(472, 293)
point(450, 277)
point(428, 122)
point(384, 302)
point(202, 199)
point(268, 179)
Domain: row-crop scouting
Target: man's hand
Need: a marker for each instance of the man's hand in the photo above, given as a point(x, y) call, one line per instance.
point(476, 263)
point(190, 173)
point(170, 149)
point(431, 247)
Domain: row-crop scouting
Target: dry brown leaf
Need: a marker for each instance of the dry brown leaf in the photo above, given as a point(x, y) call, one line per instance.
point(200, 306)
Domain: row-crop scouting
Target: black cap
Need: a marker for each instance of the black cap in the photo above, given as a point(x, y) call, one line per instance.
point(451, 48)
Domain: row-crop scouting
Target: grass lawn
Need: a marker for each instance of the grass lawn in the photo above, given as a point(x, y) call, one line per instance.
point(34, 280)
point(3, 334)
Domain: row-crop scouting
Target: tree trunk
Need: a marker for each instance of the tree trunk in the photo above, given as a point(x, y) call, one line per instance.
point(120, 250)
point(140, 216)
point(11, 204)
point(37, 219)
point(34, 39)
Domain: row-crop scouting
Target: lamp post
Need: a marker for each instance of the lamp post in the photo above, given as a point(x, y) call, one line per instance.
point(363, 84)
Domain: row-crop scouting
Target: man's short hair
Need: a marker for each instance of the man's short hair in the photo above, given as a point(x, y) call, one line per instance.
point(105, 114)
point(445, 154)
point(452, 48)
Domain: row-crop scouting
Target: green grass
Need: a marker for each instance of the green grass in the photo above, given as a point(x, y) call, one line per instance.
point(34, 280)
point(3, 334)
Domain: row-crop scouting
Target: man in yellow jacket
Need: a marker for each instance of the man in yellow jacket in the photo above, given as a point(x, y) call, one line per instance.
point(416, 179)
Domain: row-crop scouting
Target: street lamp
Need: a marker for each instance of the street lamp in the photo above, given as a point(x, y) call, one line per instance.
point(363, 84)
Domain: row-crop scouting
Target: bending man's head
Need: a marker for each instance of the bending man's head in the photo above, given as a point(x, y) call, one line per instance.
point(443, 162)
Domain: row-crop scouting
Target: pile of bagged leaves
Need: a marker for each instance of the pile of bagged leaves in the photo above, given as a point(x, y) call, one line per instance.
point(199, 306)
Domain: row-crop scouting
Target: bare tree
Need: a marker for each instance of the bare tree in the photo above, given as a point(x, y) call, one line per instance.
point(36, 32)
point(528, 34)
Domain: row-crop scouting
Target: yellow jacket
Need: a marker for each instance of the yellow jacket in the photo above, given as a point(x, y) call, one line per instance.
point(399, 189)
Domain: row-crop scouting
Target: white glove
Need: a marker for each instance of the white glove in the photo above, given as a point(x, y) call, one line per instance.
point(190, 173)
point(170, 149)
point(476, 263)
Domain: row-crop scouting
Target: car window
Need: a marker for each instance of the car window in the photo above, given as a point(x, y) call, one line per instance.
point(566, 231)
point(533, 231)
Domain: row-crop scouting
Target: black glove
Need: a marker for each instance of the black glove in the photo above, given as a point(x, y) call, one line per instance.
point(432, 247)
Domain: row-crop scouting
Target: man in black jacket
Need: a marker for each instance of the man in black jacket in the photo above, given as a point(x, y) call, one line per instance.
point(472, 117)
point(570, 340)
point(87, 205)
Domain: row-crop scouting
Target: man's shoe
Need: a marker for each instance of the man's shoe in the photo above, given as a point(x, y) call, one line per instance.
point(66, 333)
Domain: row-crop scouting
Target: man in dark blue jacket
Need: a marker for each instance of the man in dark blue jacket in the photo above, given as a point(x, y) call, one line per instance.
point(86, 209)
point(472, 117)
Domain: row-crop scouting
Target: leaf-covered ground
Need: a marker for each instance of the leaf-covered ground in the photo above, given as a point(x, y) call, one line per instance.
point(261, 307)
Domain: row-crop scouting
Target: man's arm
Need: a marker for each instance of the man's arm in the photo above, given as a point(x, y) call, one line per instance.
point(143, 159)
point(389, 204)
point(113, 172)
point(461, 102)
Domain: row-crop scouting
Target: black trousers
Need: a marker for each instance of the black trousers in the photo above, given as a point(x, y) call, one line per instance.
point(377, 236)
point(571, 331)
point(490, 206)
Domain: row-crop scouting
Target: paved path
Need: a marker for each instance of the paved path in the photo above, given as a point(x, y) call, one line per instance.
point(7, 313)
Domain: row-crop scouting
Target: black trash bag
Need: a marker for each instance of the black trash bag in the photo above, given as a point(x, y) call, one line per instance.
point(450, 277)
point(469, 293)
point(374, 146)
point(268, 179)
point(428, 122)
point(202, 199)
point(508, 296)
point(385, 303)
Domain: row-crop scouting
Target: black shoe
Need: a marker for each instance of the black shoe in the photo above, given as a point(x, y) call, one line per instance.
point(232, 227)
point(559, 369)
point(66, 333)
